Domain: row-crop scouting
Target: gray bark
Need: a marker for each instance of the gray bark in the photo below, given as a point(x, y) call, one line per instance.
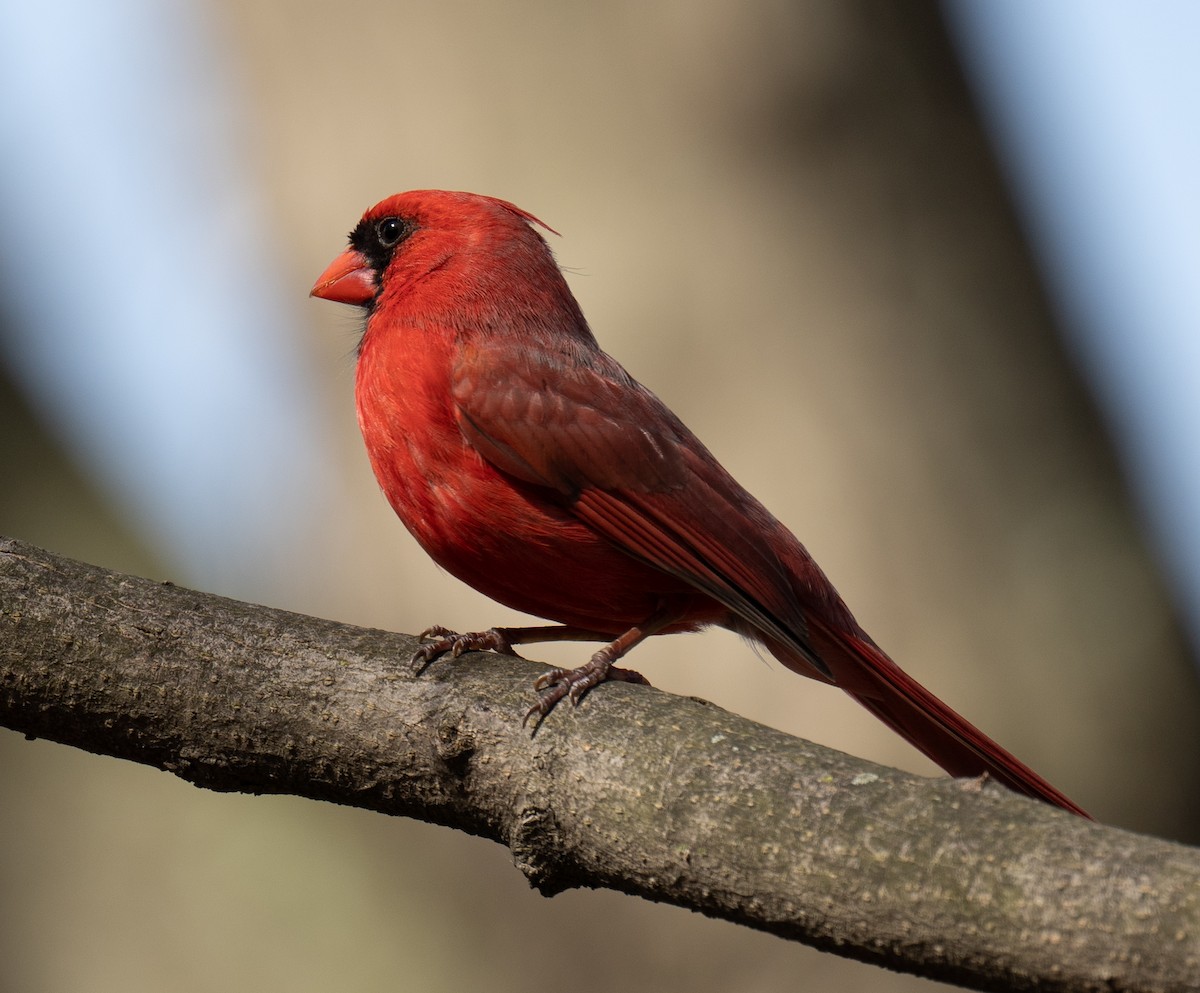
point(669, 798)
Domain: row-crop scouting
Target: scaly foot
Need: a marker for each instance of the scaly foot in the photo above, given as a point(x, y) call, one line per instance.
point(556, 684)
point(441, 640)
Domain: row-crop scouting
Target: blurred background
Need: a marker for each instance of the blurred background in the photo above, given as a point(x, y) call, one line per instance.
point(922, 276)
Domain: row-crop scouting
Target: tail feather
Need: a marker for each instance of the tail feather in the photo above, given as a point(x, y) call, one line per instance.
point(904, 705)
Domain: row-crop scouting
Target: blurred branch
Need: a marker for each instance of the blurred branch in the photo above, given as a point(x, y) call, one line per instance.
point(661, 796)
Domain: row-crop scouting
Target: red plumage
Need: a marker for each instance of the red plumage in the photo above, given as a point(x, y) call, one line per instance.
point(530, 465)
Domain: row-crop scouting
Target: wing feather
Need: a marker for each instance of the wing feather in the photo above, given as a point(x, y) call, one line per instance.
point(618, 459)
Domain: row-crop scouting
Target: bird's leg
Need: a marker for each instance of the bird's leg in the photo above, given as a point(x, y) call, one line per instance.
point(552, 686)
point(440, 640)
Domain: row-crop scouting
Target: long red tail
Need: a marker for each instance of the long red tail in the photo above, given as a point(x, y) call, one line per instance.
point(904, 705)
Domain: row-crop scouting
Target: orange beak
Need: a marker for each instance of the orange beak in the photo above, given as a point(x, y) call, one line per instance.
point(349, 279)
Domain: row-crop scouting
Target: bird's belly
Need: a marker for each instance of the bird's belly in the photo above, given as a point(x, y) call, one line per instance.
point(516, 545)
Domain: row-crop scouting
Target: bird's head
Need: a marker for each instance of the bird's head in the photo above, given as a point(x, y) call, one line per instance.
point(466, 237)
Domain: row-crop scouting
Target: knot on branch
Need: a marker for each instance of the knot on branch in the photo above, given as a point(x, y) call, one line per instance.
point(538, 849)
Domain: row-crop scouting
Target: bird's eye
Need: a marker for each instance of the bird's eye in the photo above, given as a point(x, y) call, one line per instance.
point(390, 231)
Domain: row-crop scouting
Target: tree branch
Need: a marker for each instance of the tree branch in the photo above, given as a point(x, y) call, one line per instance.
point(661, 796)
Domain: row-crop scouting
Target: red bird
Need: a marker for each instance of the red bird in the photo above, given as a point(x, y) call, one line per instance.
point(531, 465)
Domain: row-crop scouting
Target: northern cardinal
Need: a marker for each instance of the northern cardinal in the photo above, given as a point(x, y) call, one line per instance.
point(531, 465)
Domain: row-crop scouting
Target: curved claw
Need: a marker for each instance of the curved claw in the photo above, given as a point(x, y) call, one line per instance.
point(556, 684)
point(446, 641)
point(552, 686)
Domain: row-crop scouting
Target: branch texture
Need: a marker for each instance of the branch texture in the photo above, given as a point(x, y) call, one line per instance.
point(661, 796)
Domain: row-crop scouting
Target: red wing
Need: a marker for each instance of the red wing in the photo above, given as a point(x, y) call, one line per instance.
point(614, 455)
point(626, 466)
